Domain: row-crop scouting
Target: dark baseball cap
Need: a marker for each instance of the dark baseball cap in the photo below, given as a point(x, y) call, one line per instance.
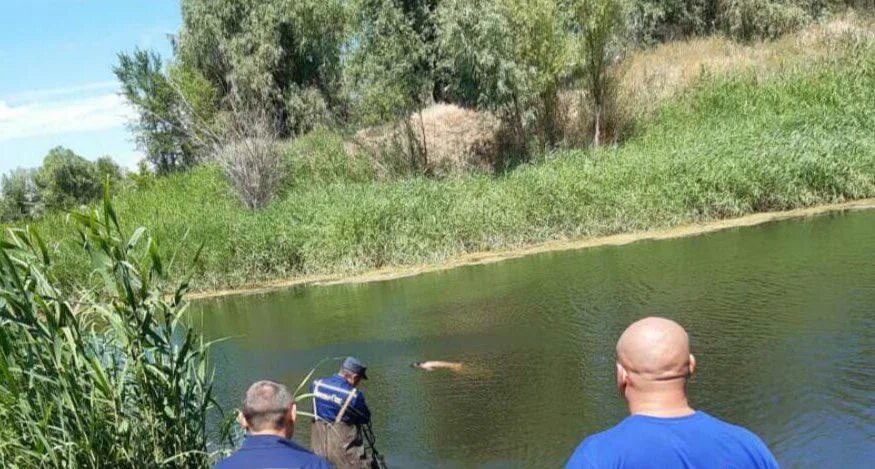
point(354, 365)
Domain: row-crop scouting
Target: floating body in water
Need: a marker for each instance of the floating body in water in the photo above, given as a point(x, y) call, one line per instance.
point(437, 365)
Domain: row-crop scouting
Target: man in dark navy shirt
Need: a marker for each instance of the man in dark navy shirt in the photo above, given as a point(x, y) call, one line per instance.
point(653, 364)
point(268, 417)
point(341, 417)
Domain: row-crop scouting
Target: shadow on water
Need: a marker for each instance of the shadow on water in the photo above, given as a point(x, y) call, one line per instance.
point(781, 319)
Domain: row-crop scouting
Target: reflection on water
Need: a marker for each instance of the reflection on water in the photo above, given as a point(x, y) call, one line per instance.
point(780, 316)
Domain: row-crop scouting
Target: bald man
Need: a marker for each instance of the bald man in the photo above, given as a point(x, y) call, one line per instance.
point(663, 431)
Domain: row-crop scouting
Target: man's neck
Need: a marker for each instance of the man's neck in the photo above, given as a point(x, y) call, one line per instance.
point(277, 433)
point(660, 405)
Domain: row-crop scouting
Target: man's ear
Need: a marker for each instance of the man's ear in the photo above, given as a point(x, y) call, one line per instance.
point(241, 420)
point(293, 412)
point(622, 378)
point(692, 365)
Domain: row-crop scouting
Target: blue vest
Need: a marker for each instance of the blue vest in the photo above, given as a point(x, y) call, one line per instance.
point(329, 396)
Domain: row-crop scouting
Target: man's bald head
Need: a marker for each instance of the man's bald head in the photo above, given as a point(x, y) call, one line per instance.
point(654, 350)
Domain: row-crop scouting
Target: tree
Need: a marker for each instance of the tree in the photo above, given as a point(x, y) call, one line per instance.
point(420, 15)
point(542, 50)
point(19, 198)
point(66, 179)
point(272, 52)
point(506, 56)
point(108, 170)
point(386, 78)
point(159, 129)
point(595, 23)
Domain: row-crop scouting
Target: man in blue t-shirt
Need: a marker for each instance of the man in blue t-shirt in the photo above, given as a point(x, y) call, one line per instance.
point(268, 417)
point(663, 431)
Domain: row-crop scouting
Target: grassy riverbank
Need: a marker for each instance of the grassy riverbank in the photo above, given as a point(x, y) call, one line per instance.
point(729, 145)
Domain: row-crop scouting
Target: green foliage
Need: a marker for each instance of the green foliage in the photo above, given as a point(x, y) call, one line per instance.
point(319, 158)
point(543, 52)
point(103, 377)
point(507, 56)
point(384, 70)
point(159, 129)
point(195, 107)
point(596, 23)
point(756, 19)
point(107, 170)
point(19, 197)
point(477, 61)
point(804, 138)
point(386, 76)
point(651, 21)
point(66, 179)
point(267, 51)
point(143, 177)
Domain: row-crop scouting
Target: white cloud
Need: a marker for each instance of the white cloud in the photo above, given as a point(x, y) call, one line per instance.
point(47, 118)
point(40, 95)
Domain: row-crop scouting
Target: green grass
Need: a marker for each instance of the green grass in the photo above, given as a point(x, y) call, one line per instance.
point(733, 145)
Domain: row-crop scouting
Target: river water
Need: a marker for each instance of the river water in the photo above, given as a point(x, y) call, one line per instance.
point(781, 318)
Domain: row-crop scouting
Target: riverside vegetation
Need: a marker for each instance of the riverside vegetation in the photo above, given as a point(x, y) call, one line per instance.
point(103, 376)
point(696, 130)
point(732, 144)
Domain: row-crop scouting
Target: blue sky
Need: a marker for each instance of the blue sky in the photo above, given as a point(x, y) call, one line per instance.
point(56, 80)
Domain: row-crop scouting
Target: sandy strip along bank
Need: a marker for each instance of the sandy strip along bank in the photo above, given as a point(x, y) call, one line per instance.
point(486, 257)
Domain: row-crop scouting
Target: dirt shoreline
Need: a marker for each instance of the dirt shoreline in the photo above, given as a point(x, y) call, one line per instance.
point(487, 257)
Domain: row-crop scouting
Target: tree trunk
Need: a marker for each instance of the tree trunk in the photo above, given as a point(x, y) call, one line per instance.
point(598, 125)
point(424, 144)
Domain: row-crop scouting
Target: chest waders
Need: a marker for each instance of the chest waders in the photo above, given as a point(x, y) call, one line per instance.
point(366, 430)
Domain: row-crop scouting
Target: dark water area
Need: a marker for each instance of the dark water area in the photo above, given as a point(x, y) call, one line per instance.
point(781, 318)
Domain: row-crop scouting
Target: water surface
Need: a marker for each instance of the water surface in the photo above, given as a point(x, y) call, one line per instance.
point(781, 318)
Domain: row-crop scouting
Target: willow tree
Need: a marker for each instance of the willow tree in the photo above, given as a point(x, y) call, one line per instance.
point(505, 56)
point(158, 129)
point(595, 23)
point(283, 52)
point(385, 77)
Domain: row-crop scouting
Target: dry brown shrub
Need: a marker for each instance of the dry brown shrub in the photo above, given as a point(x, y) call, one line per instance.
point(249, 156)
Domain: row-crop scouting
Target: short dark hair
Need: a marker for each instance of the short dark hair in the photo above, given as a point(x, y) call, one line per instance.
point(266, 405)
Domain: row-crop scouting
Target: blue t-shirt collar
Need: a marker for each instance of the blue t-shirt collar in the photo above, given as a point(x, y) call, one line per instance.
point(267, 441)
point(652, 418)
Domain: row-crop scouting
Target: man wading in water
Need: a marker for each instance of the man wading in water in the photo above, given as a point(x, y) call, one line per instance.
point(342, 419)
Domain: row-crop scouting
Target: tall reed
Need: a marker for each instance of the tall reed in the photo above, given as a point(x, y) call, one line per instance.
point(105, 376)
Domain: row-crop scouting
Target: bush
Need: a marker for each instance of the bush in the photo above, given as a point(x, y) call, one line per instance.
point(651, 21)
point(319, 158)
point(306, 109)
point(760, 19)
point(19, 198)
point(66, 179)
point(249, 153)
point(105, 377)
